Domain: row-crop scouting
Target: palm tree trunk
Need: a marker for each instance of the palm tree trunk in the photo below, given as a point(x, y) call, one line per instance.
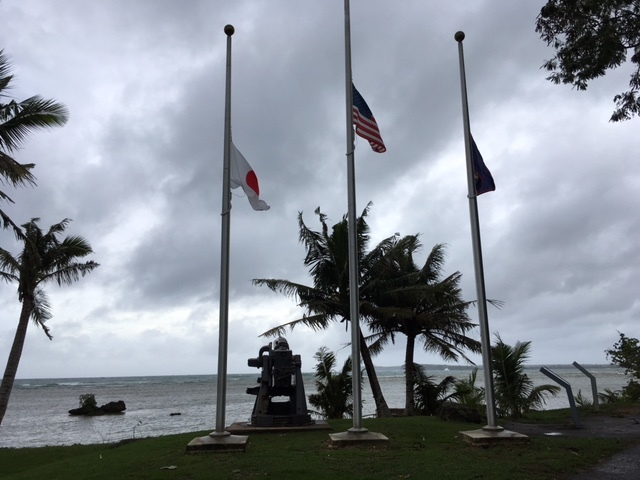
point(14, 355)
point(409, 374)
point(382, 409)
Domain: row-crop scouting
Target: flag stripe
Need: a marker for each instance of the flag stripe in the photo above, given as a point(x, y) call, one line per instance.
point(365, 123)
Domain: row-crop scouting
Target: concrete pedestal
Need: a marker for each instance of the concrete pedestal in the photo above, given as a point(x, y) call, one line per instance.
point(240, 428)
point(493, 436)
point(356, 437)
point(218, 442)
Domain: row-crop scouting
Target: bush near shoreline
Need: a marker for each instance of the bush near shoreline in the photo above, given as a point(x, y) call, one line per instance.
point(419, 447)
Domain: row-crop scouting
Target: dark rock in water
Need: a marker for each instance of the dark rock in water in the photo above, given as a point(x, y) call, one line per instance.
point(82, 411)
point(106, 409)
point(113, 407)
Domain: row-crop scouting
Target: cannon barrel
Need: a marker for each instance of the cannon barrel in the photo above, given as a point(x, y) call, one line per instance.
point(257, 362)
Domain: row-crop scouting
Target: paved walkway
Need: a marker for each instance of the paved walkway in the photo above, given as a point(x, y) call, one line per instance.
point(622, 466)
point(594, 426)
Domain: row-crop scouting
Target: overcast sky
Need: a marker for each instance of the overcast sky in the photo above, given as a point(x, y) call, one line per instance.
point(138, 168)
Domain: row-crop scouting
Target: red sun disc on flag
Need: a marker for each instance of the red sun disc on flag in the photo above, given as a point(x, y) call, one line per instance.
point(252, 182)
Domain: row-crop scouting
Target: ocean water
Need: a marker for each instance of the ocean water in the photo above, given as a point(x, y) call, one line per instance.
point(38, 409)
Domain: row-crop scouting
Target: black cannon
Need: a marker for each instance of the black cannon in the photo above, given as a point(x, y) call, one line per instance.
point(281, 377)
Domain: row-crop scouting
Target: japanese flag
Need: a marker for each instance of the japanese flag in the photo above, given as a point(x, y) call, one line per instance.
point(242, 175)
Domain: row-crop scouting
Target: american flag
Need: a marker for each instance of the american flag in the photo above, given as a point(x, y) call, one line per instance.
point(366, 125)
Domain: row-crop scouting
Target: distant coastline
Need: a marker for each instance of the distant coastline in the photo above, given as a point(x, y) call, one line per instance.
point(429, 367)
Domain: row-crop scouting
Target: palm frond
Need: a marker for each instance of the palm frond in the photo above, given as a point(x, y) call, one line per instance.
point(9, 265)
point(537, 399)
point(290, 289)
point(432, 268)
point(18, 119)
point(41, 311)
point(326, 362)
point(71, 273)
point(314, 242)
point(315, 322)
point(15, 173)
point(5, 70)
point(376, 342)
point(43, 258)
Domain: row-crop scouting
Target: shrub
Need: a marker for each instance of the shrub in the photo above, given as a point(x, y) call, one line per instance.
point(610, 396)
point(626, 354)
point(428, 395)
point(467, 393)
point(88, 400)
point(334, 397)
point(582, 401)
point(514, 390)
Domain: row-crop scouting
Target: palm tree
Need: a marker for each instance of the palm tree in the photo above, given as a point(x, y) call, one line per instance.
point(428, 394)
point(328, 299)
point(467, 393)
point(423, 306)
point(17, 120)
point(514, 390)
point(44, 258)
point(334, 398)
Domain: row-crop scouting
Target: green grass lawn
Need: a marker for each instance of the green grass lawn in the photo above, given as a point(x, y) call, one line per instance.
point(419, 447)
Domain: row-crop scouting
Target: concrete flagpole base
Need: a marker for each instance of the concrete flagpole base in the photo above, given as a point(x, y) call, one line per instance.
point(246, 428)
point(488, 435)
point(219, 442)
point(354, 437)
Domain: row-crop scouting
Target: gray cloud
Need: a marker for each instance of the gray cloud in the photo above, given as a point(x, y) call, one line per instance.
point(138, 168)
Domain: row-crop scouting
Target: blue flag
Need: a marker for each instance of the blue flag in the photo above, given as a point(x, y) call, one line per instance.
point(482, 175)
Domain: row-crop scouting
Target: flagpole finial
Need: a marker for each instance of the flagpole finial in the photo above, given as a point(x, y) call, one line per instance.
point(229, 30)
point(459, 36)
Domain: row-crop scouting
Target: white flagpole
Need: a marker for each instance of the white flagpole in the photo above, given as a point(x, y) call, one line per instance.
point(220, 439)
point(477, 252)
point(354, 313)
point(224, 256)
